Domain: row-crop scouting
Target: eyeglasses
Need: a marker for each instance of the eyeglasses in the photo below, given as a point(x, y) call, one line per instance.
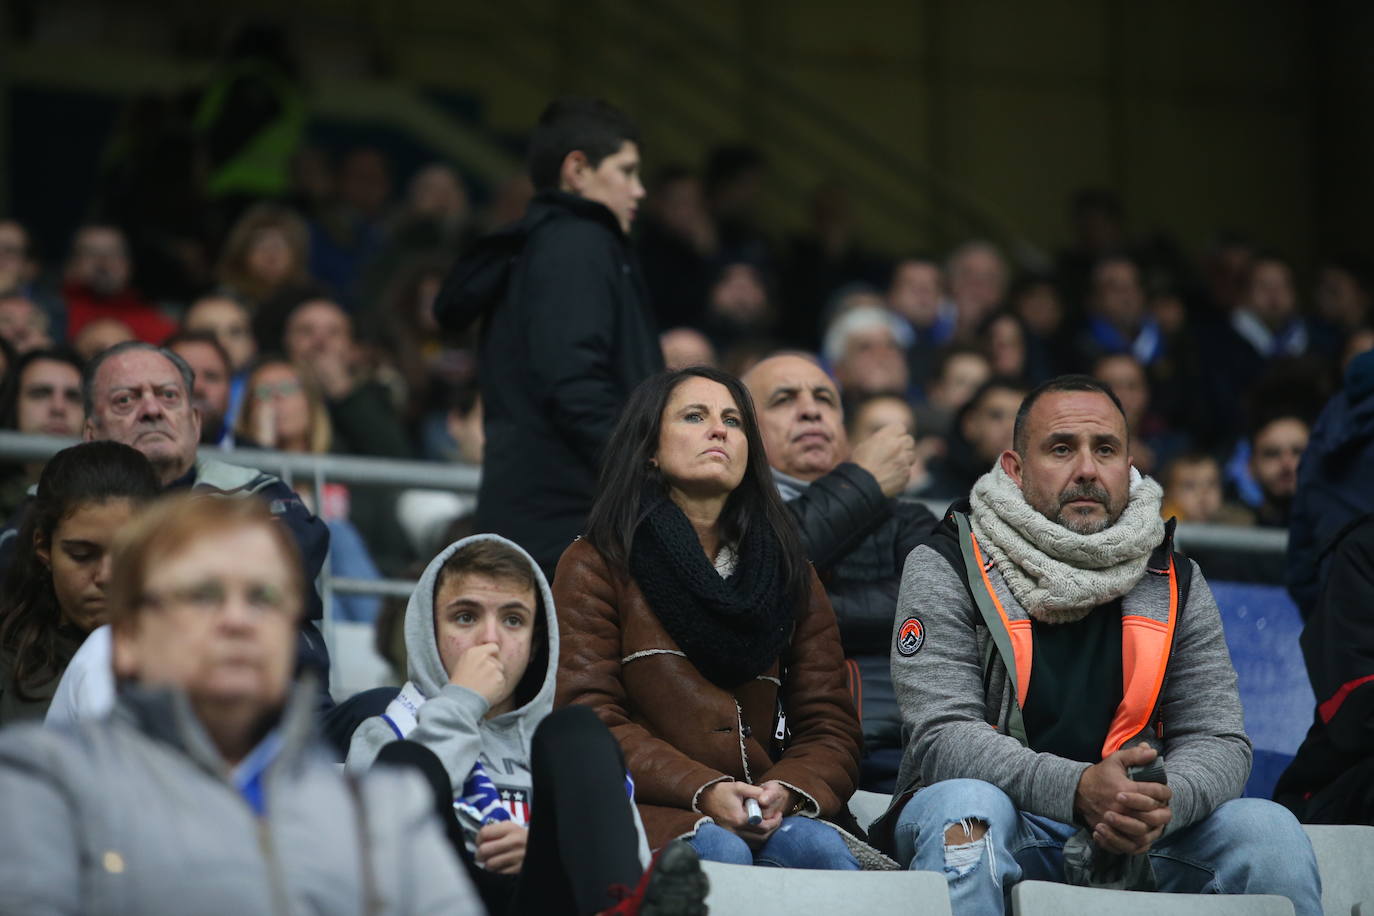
point(280, 389)
point(211, 597)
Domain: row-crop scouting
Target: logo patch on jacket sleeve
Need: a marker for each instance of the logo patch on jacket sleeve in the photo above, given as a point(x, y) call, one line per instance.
point(910, 637)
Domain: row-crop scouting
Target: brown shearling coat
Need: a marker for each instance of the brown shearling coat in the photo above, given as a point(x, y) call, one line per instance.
point(678, 731)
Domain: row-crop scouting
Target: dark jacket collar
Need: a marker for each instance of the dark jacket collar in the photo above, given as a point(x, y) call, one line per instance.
point(185, 481)
point(561, 204)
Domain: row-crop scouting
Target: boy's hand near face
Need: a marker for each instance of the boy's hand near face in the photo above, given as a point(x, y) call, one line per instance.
point(480, 670)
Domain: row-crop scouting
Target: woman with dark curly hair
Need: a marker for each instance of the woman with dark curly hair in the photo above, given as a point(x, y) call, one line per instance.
point(54, 594)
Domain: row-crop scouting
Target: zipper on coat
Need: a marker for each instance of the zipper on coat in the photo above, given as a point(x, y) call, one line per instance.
point(281, 902)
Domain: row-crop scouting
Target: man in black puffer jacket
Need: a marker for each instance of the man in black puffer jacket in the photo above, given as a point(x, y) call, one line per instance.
point(566, 330)
point(855, 532)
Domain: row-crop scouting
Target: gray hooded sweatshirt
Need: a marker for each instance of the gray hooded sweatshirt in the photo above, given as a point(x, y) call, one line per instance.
point(448, 719)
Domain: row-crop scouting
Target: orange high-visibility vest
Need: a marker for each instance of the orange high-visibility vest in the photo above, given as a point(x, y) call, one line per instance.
point(1148, 623)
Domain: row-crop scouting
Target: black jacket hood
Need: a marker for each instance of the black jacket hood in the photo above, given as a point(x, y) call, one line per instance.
point(478, 282)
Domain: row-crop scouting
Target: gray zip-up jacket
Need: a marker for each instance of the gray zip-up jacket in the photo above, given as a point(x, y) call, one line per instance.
point(948, 711)
point(137, 814)
point(451, 720)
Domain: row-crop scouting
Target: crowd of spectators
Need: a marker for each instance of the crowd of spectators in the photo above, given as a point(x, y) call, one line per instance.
point(304, 321)
point(303, 345)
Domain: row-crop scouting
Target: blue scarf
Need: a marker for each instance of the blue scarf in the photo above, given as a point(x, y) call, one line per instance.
point(1147, 346)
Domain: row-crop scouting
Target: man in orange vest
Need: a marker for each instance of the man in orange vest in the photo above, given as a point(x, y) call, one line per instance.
point(1069, 706)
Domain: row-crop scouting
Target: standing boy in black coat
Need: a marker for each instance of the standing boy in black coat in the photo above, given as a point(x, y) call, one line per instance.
point(567, 332)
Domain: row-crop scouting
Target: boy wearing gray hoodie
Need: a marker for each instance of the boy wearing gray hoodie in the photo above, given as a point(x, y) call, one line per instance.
point(481, 637)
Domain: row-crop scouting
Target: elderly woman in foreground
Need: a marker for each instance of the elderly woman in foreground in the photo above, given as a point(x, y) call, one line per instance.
point(694, 626)
point(204, 791)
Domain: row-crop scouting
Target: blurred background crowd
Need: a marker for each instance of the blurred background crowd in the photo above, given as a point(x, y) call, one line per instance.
point(294, 264)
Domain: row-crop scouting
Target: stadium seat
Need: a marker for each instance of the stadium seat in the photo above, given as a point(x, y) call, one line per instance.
point(1345, 859)
point(743, 890)
point(867, 807)
point(1043, 898)
point(1344, 855)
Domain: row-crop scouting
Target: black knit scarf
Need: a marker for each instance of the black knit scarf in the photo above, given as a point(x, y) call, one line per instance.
point(732, 629)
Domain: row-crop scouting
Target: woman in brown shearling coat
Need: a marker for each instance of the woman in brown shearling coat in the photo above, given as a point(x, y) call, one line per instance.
point(693, 625)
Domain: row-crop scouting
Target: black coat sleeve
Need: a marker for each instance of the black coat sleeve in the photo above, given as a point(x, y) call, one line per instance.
point(366, 423)
point(570, 295)
point(1338, 644)
point(916, 523)
point(837, 511)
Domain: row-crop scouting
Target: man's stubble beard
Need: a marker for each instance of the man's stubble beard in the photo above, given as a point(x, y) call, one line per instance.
point(1058, 512)
point(1083, 525)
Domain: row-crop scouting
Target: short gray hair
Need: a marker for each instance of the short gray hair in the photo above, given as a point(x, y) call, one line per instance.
point(188, 375)
point(853, 321)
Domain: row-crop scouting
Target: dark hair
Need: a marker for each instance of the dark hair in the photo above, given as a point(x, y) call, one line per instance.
point(506, 564)
point(102, 226)
point(851, 417)
point(949, 354)
point(1001, 314)
point(1359, 268)
point(10, 391)
point(595, 127)
point(1056, 385)
point(7, 354)
point(1116, 256)
point(1264, 419)
point(32, 629)
point(488, 558)
point(1187, 459)
point(201, 337)
point(995, 383)
point(1262, 256)
point(188, 375)
point(914, 257)
point(629, 485)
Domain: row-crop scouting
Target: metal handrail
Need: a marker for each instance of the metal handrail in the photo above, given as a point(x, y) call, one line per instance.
point(1264, 541)
point(22, 447)
point(385, 588)
point(19, 448)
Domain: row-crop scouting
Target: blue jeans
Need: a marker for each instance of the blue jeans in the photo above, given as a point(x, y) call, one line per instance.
point(1245, 846)
point(799, 842)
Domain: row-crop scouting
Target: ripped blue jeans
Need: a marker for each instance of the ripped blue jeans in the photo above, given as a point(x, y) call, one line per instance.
point(1245, 846)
